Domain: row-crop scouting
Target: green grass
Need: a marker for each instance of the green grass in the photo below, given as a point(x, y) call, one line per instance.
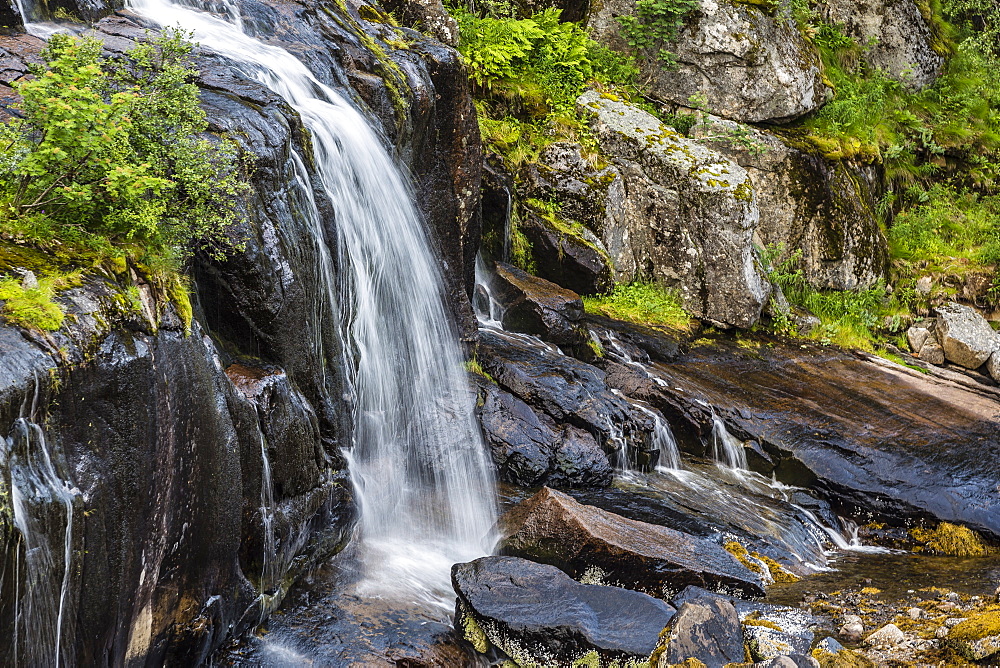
point(641, 303)
point(34, 308)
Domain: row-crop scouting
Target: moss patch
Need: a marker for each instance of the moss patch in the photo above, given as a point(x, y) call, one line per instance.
point(979, 626)
point(764, 565)
point(950, 539)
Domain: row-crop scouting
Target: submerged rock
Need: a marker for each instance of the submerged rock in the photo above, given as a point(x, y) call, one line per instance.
point(749, 64)
point(588, 542)
point(535, 613)
point(966, 336)
point(690, 215)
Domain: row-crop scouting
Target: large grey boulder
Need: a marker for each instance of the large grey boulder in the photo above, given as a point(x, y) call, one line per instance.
point(538, 615)
point(820, 207)
point(583, 540)
point(966, 336)
point(749, 64)
point(896, 33)
point(687, 216)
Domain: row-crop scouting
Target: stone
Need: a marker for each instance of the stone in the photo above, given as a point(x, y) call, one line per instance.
point(706, 629)
point(29, 281)
point(536, 306)
point(567, 254)
point(535, 613)
point(924, 285)
point(916, 336)
point(747, 64)
point(688, 217)
point(829, 644)
point(932, 352)
point(553, 528)
point(788, 661)
point(966, 336)
point(915, 613)
point(822, 208)
point(887, 636)
point(852, 631)
point(428, 16)
point(522, 445)
point(993, 365)
point(897, 36)
point(580, 462)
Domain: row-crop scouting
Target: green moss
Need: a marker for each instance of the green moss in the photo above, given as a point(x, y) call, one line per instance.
point(473, 366)
point(845, 658)
point(979, 626)
point(177, 290)
point(474, 633)
point(744, 192)
point(34, 308)
point(950, 539)
point(641, 303)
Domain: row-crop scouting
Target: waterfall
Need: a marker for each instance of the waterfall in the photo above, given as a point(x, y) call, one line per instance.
point(662, 439)
point(42, 502)
point(726, 448)
point(421, 471)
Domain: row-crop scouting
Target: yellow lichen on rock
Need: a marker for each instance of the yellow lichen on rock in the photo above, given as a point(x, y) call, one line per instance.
point(979, 626)
point(760, 563)
point(951, 539)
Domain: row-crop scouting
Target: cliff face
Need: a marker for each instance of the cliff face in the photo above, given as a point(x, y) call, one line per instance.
point(189, 477)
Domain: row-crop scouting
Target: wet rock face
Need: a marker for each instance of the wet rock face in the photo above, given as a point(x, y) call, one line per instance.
point(688, 216)
point(585, 541)
point(819, 207)
point(880, 441)
point(522, 445)
point(897, 34)
point(751, 66)
point(535, 613)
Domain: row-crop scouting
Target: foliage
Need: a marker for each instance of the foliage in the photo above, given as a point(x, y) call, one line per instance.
point(642, 303)
point(108, 155)
point(978, 22)
point(33, 307)
point(655, 24)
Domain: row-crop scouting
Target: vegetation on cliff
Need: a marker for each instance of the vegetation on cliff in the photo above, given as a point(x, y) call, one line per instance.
point(107, 163)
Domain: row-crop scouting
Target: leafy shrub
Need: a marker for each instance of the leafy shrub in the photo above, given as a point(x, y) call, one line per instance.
point(642, 303)
point(108, 155)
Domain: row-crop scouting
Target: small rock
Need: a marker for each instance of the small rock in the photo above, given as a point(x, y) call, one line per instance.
point(942, 632)
point(29, 281)
point(851, 619)
point(887, 636)
point(707, 629)
point(953, 621)
point(789, 661)
point(852, 632)
point(924, 285)
point(966, 336)
point(916, 336)
point(947, 606)
point(932, 352)
point(915, 613)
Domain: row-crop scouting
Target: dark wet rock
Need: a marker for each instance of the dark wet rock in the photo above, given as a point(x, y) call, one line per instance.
point(536, 306)
point(966, 336)
point(522, 445)
point(749, 64)
point(534, 613)
point(585, 541)
point(689, 218)
point(878, 440)
point(897, 36)
point(10, 18)
point(823, 208)
point(580, 461)
point(707, 629)
point(571, 258)
point(567, 390)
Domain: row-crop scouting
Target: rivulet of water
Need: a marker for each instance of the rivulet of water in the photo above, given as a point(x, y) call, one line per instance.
point(420, 468)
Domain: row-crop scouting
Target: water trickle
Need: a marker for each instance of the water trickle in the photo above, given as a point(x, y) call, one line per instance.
point(421, 472)
point(42, 500)
point(663, 439)
point(268, 575)
point(726, 448)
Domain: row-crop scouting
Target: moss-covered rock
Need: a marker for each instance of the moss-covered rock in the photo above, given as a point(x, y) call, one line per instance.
point(678, 214)
point(950, 539)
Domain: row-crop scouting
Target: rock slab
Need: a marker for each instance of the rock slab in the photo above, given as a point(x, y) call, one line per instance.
point(586, 541)
point(536, 614)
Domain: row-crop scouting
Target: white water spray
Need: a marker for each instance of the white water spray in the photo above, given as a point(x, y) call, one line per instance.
point(421, 472)
point(726, 448)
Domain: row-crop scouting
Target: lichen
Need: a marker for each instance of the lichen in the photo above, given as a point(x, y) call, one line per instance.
point(473, 633)
point(845, 658)
point(760, 563)
point(980, 626)
point(950, 539)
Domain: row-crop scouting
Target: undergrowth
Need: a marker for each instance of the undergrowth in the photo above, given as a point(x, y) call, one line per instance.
point(641, 303)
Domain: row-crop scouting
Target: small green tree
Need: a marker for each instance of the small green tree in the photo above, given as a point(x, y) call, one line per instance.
point(110, 154)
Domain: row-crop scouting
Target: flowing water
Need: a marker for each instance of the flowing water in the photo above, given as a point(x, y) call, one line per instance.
point(420, 469)
point(43, 501)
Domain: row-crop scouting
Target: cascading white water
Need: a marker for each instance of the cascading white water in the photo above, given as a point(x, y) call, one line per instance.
point(663, 440)
point(42, 503)
point(726, 448)
point(421, 472)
